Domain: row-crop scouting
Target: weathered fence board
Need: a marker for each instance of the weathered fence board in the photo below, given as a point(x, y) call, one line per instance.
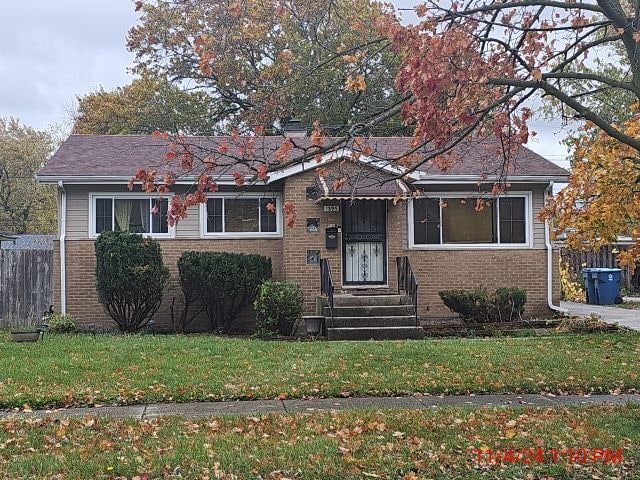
point(606, 257)
point(26, 286)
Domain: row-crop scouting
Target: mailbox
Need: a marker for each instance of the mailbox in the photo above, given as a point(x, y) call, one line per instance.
point(331, 234)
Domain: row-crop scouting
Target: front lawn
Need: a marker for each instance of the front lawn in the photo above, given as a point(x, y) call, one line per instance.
point(69, 370)
point(406, 444)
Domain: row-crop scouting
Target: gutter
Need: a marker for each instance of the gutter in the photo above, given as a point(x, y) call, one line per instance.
point(63, 249)
point(547, 241)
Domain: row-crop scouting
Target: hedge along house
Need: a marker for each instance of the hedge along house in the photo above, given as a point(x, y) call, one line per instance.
point(375, 228)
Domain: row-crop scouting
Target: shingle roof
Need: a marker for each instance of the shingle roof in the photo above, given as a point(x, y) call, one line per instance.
point(121, 155)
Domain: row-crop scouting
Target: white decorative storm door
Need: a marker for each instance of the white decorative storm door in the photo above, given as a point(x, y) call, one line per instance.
point(364, 242)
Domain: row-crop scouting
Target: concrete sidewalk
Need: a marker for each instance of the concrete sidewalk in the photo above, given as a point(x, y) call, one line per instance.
point(255, 407)
point(627, 317)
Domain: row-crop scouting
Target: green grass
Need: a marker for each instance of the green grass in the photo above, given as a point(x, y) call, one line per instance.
point(67, 370)
point(390, 444)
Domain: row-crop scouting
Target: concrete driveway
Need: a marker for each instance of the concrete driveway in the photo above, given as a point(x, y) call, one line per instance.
point(622, 316)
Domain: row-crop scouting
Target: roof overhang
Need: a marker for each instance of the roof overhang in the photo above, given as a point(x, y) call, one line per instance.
point(103, 179)
point(428, 179)
point(5, 237)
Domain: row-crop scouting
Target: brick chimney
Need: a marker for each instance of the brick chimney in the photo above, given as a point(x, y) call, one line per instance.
point(294, 128)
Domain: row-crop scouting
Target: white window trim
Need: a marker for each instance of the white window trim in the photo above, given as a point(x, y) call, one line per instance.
point(231, 235)
point(528, 205)
point(125, 196)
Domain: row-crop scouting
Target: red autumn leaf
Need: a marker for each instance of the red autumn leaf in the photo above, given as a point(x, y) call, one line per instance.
point(290, 214)
point(238, 178)
point(263, 171)
point(223, 147)
point(283, 150)
point(271, 207)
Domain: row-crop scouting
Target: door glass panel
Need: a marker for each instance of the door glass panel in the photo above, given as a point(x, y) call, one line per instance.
point(364, 242)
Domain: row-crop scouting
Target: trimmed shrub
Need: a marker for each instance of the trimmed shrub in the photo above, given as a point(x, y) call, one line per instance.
point(470, 305)
point(59, 323)
point(477, 306)
point(222, 283)
point(278, 306)
point(509, 303)
point(130, 278)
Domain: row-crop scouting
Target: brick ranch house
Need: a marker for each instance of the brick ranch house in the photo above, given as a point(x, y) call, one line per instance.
point(359, 229)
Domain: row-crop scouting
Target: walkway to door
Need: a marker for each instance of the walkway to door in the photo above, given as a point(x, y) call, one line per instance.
point(627, 317)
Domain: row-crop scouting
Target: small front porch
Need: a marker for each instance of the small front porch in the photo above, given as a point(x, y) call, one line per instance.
point(366, 314)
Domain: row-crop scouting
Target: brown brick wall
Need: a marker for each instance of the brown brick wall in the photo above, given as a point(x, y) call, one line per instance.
point(435, 269)
point(297, 240)
point(467, 269)
point(82, 301)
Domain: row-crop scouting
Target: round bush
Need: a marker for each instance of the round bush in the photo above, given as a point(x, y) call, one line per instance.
point(278, 306)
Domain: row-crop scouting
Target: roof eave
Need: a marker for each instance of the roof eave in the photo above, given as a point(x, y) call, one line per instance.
point(114, 179)
point(449, 179)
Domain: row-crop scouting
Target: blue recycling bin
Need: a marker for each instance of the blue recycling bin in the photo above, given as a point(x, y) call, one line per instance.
point(603, 285)
point(589, 285)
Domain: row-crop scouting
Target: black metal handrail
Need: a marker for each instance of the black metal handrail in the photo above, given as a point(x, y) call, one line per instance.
point(326, 283)
point(407, 283)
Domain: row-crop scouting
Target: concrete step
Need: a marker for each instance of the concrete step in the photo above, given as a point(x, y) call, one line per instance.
point(370, 322)
point(375, 333)
point(369, 311)
point(370, 300)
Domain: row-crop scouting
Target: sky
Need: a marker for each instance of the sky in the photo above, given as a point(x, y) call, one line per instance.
point(53, 50)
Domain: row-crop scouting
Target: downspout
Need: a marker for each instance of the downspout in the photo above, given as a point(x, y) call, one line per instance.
point(63, 249)
point(547, 241)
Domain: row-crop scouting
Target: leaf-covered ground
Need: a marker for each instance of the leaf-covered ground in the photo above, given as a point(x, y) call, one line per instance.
point(69, 370)
point(393, 444)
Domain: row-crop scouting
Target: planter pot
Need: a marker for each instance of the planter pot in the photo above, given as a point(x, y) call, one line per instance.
point(313, 325)
point(25, 335)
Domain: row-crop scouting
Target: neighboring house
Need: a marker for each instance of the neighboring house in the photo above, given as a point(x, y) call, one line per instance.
point(6, 237)
point(28, 242)
point(447, 242)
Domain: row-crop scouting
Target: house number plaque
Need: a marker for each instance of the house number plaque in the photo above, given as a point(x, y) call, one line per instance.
point(332, 208)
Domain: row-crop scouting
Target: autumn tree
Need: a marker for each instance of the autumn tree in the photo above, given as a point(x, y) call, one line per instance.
point(474, 69)
point(25, 206)
point(147, 104)
point(602, 200)
point(262, 62)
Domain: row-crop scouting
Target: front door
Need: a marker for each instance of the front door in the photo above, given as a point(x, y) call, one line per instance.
point(364, 242)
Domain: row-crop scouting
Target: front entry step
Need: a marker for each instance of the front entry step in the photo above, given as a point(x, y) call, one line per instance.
point(363, 321)
point(376, 333)
point(378, 317)
point(369, 311)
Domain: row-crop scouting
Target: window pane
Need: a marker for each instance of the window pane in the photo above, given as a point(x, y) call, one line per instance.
point(426, 221)
point(104, 215)
point(512, 220)
point(461, 223)
point(159, 219)
point(268, 215)
point(214, 215)
point(132, 215)
point(241, 214)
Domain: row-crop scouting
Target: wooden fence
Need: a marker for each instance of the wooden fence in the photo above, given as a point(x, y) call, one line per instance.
point(603, 258)
point(26, 286)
